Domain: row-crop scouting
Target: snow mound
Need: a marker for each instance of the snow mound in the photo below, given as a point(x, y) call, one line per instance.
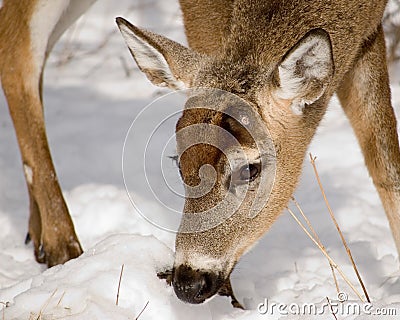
point(86, 288)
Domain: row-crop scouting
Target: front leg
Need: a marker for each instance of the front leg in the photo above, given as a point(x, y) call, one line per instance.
point(50, 225)
point(365, 98)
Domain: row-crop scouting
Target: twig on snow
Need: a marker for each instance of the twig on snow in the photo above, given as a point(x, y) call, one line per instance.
point(119, 284)
point(144, 308)
point(318, 240)
point(59, 301)
point(44, 306)
point(330, 306)
point(312, 159)
point(325, 253)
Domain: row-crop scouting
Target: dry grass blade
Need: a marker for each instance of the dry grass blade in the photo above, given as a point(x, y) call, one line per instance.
point(335, 279)
point(330, 306)
point(144, 308)
point(44, 306)
point(331, 261)
point(307, 221)
point(312, 159)
point(59, 300)
point(316, 238)
point(119, 283)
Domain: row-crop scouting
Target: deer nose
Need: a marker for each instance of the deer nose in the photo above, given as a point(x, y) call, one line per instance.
point(195, 286)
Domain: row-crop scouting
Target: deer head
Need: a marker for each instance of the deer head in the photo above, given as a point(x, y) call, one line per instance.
point(241, 142)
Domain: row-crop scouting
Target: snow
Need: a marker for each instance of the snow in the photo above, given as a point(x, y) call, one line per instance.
point(90, 104)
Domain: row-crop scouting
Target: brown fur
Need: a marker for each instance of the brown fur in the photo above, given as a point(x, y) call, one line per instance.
point(260, 34)
point(243, 58)
point(236, 46)
point(50, 226)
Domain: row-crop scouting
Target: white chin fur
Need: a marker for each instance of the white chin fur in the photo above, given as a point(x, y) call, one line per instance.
point(199, 261)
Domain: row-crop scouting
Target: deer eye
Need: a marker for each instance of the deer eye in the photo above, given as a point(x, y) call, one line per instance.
point(247, 173)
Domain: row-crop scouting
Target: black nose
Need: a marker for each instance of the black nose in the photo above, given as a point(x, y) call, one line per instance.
point(195, 286)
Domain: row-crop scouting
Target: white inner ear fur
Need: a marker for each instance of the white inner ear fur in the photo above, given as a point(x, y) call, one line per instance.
point(150, 59)
point(311, 61)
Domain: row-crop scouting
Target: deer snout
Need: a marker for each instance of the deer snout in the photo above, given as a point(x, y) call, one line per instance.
point(195, 286)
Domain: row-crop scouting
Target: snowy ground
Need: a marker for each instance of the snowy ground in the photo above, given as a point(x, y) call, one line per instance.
point(90, 103)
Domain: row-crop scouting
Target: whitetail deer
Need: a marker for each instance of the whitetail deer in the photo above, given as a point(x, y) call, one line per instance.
point(284, 58)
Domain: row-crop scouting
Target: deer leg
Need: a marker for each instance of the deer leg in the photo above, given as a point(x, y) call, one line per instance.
point(50, 226)
point(22, 58)
point(365, 98)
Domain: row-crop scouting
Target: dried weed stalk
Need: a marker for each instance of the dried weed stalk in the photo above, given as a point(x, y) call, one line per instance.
point(311, 233)
point(119, 283)
point(312, 159)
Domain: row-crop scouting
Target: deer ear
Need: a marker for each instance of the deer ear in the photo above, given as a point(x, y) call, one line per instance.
point(165, 62)
point(306, 70)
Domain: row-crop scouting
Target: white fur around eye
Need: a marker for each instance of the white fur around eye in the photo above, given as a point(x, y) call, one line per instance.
point(238, 157)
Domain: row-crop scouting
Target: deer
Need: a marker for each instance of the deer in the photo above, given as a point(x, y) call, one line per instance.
point(282, 60)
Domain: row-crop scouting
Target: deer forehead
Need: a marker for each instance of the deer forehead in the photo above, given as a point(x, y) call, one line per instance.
point(238, 77)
